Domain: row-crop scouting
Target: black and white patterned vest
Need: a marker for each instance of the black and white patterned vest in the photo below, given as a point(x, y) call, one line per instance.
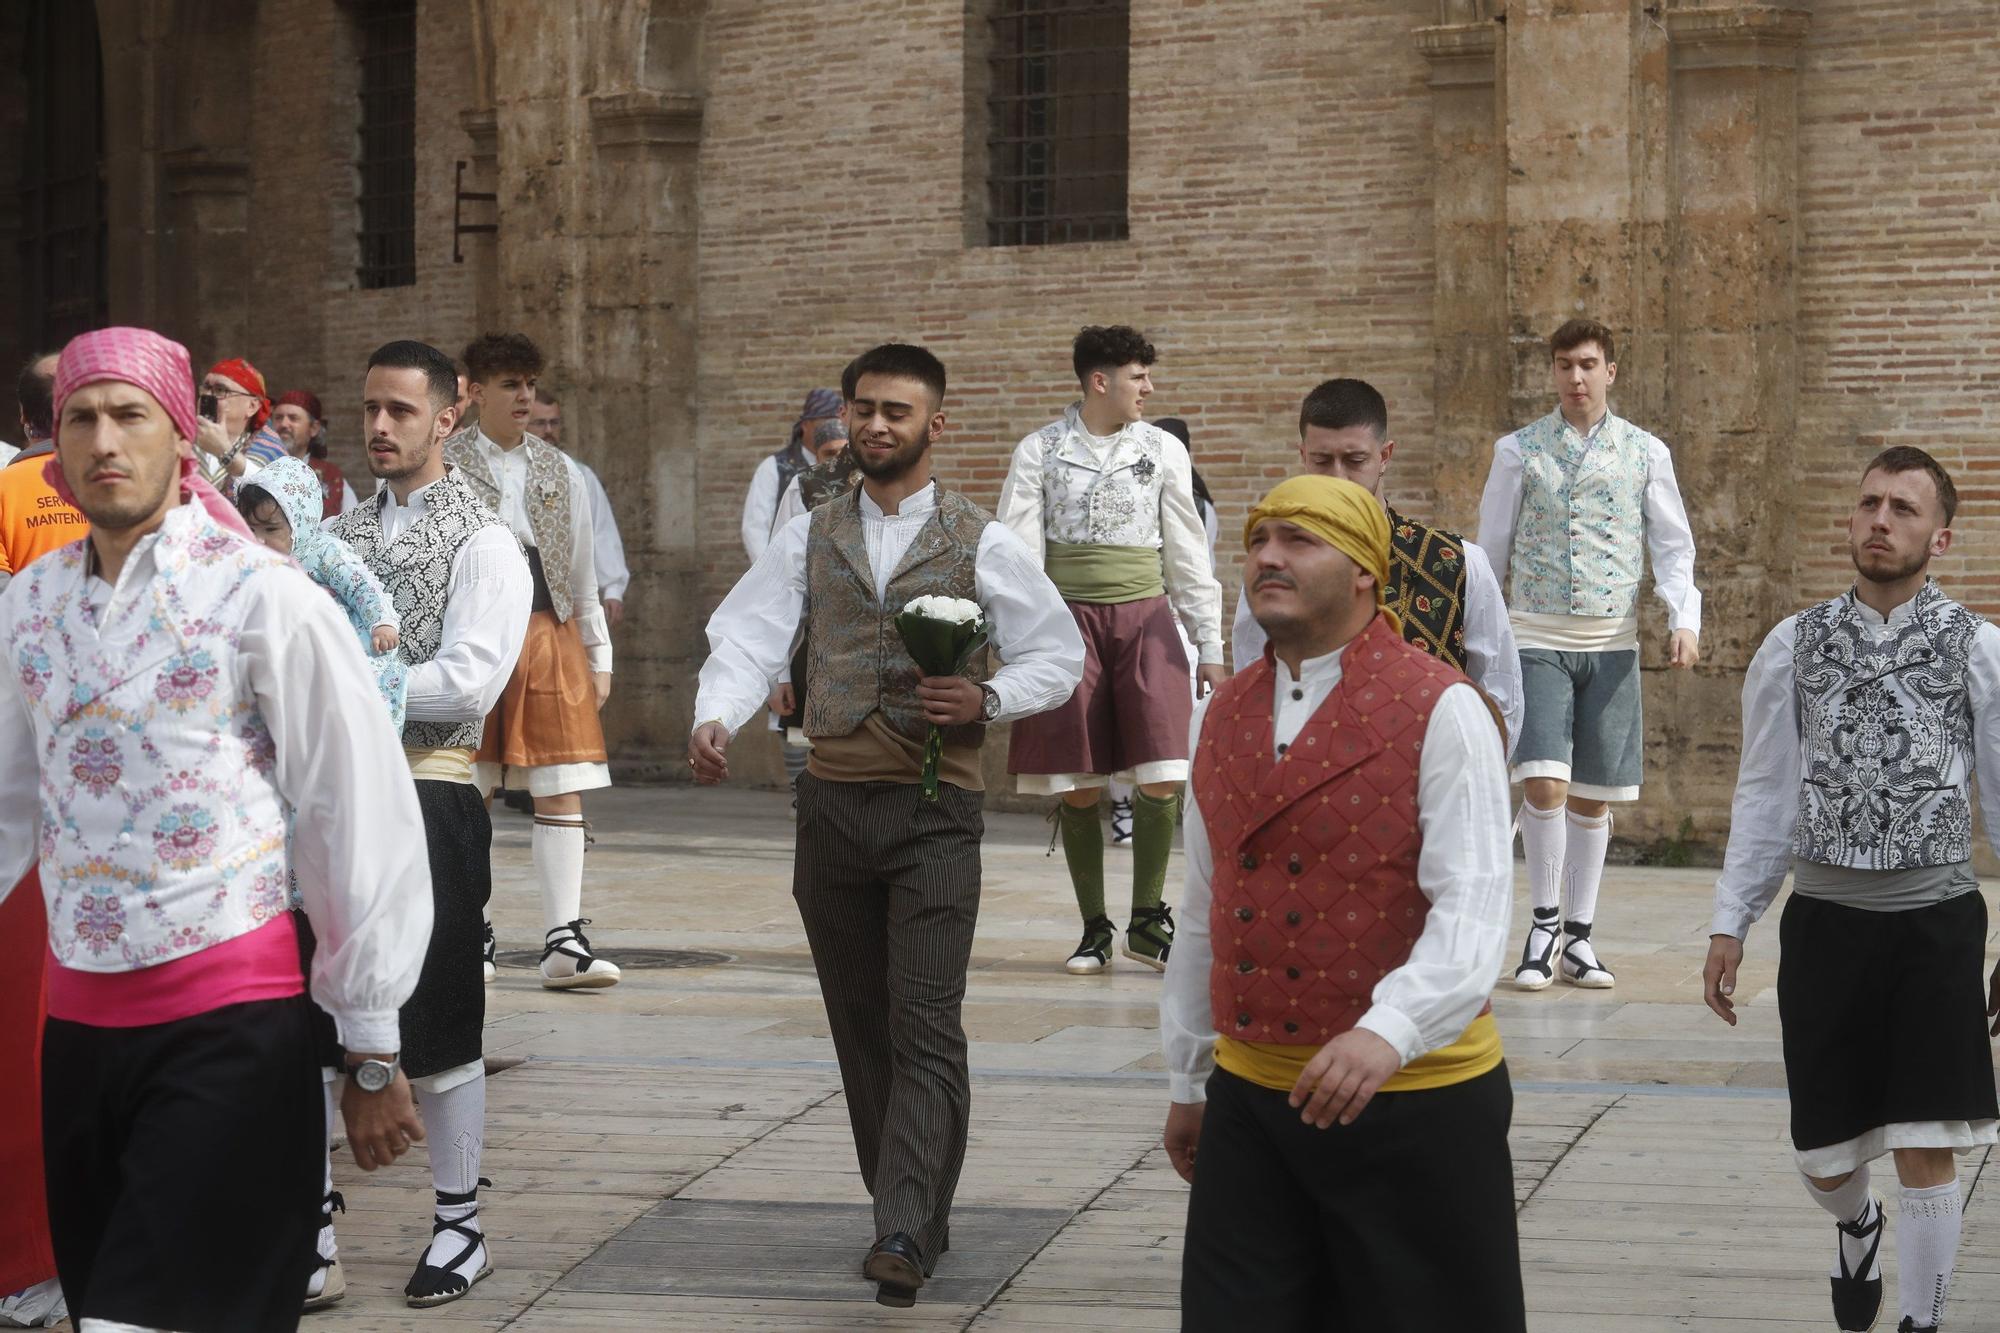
point(1886, 729)
point(547, 501)
point(416, 569)
point(858, 664)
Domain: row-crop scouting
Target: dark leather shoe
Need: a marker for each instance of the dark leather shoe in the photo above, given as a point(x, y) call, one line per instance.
point(518, 800)
point(896, 1264)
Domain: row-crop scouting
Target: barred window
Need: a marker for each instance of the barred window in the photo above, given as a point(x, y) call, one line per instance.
point(388, 148)
point(1056, 134)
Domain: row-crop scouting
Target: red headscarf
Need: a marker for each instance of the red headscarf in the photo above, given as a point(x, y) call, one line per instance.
point(301, 398)
point(246, 376)
point(158, 365)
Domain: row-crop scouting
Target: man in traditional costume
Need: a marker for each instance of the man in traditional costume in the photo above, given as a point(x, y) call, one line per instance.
point(34, 520)
point(173, 682)
point(1106, 502)
point(887, 881)
point(297, 429)
point(1334, 973)
point(1864, 720)
point(462, 592)
point(544, 735)
point(613, 574)
point(1441, 588)
point(1574, 505)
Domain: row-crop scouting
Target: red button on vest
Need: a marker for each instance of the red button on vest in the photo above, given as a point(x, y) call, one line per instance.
point(1315, 851)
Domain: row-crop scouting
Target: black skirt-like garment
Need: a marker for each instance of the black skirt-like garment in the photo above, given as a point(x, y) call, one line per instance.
point(1884, 1017)
point(442, 1019)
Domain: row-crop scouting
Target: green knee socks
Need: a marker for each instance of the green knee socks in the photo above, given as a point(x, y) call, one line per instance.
point(1153, 820)
point(1083, 848)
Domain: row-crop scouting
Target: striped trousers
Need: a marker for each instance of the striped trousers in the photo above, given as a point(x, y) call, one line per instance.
point(888, 887)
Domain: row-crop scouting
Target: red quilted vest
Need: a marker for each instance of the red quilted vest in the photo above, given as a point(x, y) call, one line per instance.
point(1315, 850)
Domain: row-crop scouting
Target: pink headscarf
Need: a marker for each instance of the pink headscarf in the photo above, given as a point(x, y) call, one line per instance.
point(158, 365)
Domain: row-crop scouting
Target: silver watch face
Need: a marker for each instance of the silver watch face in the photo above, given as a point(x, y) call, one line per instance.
point(373, 1075)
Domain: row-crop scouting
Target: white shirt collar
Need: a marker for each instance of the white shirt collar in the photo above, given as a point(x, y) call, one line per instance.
point(1874, 619)
point(914, 506)
point(416, 503)
point(1312, 670)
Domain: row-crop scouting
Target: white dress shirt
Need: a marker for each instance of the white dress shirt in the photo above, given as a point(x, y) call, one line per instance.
point(1766, 808)
point(1047, 496)
point(1491, 658)
point(751, 635)
point(510, 468)
point(1669, 546)
point(485, 621)
point(760, 506)
point(357, 837)
point(613, 575)
point(1465, 868)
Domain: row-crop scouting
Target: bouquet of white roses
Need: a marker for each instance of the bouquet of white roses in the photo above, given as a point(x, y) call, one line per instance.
point(942, 635)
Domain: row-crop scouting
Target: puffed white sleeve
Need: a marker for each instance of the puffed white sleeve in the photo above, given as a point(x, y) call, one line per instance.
point(1765, 810)
point(1187, 1021)
point(1184, 555)
point(358, 846)
point(1032, 628)
point(1670, 542)
point(1500, 506)
point(760, 505)
point(1020, 506)
point(1492, 658)
point(750, 636)
point(1466, 869)
point(586, 609)
point(485, 622)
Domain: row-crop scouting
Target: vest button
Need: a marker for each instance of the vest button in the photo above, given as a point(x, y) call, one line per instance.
point(1298, 695)
point(1294, 865)
point(1291, 1027)
point(1248, 861)
point(1283, 748)
point(1246, 966)
point(1291, 918)
point(1292, 973)
point(1243, 1020)
point(1244, 914)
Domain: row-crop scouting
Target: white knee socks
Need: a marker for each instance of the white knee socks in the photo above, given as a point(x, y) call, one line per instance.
point(1583, 864)
point(1927, 1251)
point(454, 1132)
point(1542, 842)
point(558, 842)
point(1852, 1202)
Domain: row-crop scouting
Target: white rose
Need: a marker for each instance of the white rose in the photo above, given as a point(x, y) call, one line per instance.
point(950, 610)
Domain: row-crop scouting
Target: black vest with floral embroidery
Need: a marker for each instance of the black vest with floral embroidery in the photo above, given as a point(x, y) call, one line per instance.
point(1427, 587)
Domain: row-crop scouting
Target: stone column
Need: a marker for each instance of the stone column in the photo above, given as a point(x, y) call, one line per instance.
point(208, 284)
point(1732, 387)
point(638, 394)
point(1469, 223)
point(482, 249)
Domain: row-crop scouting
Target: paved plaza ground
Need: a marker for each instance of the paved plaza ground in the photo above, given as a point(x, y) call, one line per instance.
point(674, 1153)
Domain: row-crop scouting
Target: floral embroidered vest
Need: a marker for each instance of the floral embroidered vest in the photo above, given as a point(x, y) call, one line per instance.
point(1885, 725)
point(1580, 541)
point(858, 664)
point(547, 499)
point(1315, 895)
point(163, 831)
point(1427, 587)
point(416, 569)
point(1113, 501)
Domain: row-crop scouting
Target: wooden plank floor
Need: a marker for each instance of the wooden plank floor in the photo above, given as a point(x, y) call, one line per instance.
point(674, 1153)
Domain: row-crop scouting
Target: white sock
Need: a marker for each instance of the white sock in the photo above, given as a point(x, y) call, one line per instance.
point(558, 842)
point(1542, 844)
point(1852, 1202)
point(454, 1131)
point(1927, 1251)
point(1583, 864)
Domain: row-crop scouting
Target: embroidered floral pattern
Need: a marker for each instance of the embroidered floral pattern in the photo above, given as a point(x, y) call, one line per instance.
point(186, 680)
point(185, 836)
point(1579, 545)
point(1112, 500)
point(98, 921)
point(94, 763)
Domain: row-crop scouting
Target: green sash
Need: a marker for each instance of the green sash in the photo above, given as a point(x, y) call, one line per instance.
point(1104, 575)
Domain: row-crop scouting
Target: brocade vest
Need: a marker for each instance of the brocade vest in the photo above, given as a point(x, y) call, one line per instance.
point(858, 664)
point(416, 570)
point(1885, 728)
point(1315, 895)
point(547, 499)
point(1580, 541)
point(1427, 587)
point(828, 481)
point(163, 830)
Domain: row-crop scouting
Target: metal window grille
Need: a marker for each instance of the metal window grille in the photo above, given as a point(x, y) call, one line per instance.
point(388, 156)
point(62, 187)
point(1056, 141)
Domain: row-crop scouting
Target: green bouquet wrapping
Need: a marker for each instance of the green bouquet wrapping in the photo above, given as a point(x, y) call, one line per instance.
point(942, 635)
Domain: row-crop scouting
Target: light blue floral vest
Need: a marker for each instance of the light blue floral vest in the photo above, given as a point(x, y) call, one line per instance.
point(1579, 544)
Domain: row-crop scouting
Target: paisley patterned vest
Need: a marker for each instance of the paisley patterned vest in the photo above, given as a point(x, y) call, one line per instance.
point(827, 481)
point(1427, 587)
point(163, 830)
point(858, 663)
point(1580, 543)
point(1315, 881)
point(547, 500)
point(1886, 730)
point(416, 569)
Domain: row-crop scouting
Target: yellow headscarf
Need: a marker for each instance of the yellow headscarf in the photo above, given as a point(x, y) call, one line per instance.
point(1340, 513)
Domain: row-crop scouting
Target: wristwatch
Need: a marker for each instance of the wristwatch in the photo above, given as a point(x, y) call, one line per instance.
point(989, 707)
point(375, 1075)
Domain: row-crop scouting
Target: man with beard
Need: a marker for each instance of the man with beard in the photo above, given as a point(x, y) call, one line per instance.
point(1106, 503)
point(613, 574)
point(1864, 719)
point(1440, 587)
point(462, 591)
point(167, 698)
point(887, 882)
point(1334, 966)
point(297, 429)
